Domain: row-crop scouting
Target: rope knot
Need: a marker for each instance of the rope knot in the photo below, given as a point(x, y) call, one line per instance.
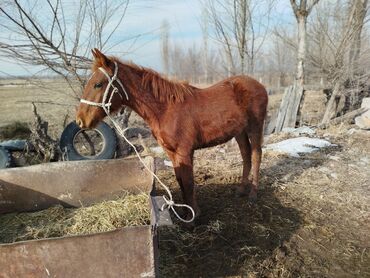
point(169, 203)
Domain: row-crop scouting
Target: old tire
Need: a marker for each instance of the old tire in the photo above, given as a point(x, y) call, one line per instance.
point(5, 158)
point(67, 142)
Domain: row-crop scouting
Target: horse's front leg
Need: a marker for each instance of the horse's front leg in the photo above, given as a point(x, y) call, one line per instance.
point(185, 178)
point(183, 165)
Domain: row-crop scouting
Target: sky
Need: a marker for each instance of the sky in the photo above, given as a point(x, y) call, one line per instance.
point(145, 17)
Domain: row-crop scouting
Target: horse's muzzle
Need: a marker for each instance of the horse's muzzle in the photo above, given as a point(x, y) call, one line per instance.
point(80, 122)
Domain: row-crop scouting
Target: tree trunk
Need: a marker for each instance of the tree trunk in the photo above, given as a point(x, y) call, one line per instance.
point(360, 7)
point(301, 54)
point(331, 107)
point(346, 117)
point(165, 47)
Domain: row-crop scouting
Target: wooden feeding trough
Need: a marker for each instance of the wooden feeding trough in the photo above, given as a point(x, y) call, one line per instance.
point(125, 252)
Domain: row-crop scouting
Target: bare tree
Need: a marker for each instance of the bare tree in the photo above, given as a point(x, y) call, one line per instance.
point(302, 9)
point(204, 26)
point(282, 60)
point(240, 26)
point(44, 33)
point(289, 107)
point(165, 34)
point(185, 63)
point(346, 57)
point(358, 14)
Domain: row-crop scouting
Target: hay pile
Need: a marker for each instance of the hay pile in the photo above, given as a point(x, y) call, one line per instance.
point(128, 210)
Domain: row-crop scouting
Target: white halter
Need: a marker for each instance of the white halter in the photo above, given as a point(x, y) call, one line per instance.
point(104, 104)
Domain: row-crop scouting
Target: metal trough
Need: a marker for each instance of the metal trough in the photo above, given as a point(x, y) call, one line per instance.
point(125, 252)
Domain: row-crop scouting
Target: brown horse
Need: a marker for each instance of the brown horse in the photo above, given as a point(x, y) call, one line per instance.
point(182, 118)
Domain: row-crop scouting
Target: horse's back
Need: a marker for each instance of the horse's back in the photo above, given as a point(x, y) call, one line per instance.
point(243, 91)
point(225, 109)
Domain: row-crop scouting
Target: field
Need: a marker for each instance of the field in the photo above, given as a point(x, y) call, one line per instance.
point(17, 96)
point(311, 219)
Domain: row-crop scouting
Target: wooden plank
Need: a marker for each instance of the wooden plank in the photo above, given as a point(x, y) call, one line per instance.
point(345, 118)
point(283, 108)
point(71, 183)
point(272, 123)
point(292, 110)
point(289, 107)
point(125, 252)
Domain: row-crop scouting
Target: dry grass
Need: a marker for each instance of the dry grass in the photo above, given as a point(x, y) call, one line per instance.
point(128, 210)
point(15, 130)
point(17, 98)
point(311, 219)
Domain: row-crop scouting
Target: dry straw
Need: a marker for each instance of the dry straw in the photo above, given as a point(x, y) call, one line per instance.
point(128, 210)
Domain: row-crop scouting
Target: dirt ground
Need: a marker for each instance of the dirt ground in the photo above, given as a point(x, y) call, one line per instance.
point(311, 219)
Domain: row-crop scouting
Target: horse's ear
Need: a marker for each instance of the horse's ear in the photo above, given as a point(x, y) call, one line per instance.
point(94, 53)
point(100, 58)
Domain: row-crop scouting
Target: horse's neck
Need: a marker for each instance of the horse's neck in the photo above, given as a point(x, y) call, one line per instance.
point(143, 103)
point(148, 111)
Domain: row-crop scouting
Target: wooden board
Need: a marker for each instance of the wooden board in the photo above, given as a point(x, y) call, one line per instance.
point(288, 110)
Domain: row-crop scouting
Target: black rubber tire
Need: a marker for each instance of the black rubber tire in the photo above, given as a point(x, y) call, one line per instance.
point(69, 133)
point(5, 158)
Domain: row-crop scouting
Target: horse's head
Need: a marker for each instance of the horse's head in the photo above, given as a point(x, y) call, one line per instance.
point(103, 93)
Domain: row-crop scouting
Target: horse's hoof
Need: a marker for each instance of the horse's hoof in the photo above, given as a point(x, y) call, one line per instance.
point(241, 191)
point(240, 194)
point(189, 216)
point(189, 226)
point(252, 198)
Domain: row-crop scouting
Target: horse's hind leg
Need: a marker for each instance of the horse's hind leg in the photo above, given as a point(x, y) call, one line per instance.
point(246, 152)
point(256, 144)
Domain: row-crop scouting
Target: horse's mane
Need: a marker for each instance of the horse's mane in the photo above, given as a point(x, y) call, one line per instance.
point(163, 89)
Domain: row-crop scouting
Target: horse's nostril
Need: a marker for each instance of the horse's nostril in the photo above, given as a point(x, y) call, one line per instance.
point(79, 122)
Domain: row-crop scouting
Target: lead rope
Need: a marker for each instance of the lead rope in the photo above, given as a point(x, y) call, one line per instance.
point(169, 203)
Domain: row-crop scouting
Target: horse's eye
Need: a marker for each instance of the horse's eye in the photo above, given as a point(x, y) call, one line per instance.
point(98, 85)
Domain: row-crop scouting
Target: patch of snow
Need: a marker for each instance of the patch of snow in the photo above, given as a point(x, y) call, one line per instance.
point(300, 130)
point(351, 131)
point(222, 150)
point(364, 160)
point(324, 170)
point(157, 150)
point(295, 146)
point(333, 157)
point(168, 163)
